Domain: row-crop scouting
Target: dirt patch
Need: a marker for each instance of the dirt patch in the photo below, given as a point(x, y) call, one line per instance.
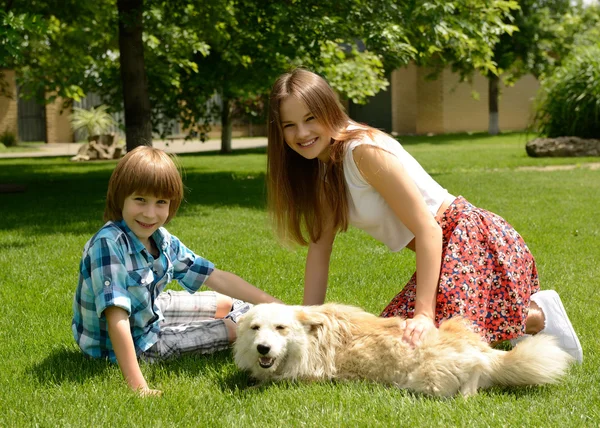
point(591, 165)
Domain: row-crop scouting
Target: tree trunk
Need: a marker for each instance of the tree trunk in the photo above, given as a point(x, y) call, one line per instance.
point(226, 126)
point(493, 126)
point(138, 125)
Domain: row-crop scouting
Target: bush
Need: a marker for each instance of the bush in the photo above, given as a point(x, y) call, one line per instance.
point(8, 139)
point(568, 103)
point(95, 121)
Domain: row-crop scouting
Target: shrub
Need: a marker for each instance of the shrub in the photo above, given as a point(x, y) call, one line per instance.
point(8, 139)
point(568, 103)
point(95, 121)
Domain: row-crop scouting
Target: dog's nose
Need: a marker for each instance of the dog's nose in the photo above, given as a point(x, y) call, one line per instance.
point(263, 350)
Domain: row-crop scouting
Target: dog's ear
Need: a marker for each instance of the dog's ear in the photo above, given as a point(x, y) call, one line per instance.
point(310, 320)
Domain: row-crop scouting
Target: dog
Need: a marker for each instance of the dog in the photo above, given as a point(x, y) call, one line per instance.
point(334, 341)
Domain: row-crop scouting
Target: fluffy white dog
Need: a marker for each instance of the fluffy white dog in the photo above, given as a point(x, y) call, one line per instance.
point(335, 341)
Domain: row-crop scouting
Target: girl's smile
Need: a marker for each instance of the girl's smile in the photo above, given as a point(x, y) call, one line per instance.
point(308, 143)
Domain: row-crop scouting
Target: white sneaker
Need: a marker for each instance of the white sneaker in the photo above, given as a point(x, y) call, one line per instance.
point(238, 309)
point(557, 322)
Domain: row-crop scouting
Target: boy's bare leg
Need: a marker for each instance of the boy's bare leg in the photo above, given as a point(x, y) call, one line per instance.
point(231, 330)
point(224, 304)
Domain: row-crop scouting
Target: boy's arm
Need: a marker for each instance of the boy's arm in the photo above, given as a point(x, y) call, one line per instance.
point(122, 342)
point(232, 285)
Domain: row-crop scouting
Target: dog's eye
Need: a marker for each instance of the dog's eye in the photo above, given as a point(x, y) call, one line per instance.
point(280, 327)
point(255, 327)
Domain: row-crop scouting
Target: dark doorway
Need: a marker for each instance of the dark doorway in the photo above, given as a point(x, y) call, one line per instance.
point(376, 113)
point(31, 118)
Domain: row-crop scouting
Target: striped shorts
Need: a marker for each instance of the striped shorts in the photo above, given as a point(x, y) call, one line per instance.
point(189, 326)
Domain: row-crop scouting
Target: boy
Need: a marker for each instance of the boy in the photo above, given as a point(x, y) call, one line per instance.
point(120, 310)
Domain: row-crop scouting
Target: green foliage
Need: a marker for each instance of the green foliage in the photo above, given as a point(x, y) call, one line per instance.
point(15, 30)
point(532, 47)
point(45, 380)
point(68, 58)
point(357, 75)
point(569, 99)
point(195, 49)
point(95, 121)
point(8, 139)
point(579, 26)
point(548, 30)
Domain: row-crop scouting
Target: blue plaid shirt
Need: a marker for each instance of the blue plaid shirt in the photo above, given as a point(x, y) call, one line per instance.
point(117, 270)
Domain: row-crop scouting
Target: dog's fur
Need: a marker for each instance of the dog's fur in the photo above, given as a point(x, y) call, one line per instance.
point(335, 341)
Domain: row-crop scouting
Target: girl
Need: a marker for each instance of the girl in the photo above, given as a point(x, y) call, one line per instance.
point(326, 172)
point(120, 310)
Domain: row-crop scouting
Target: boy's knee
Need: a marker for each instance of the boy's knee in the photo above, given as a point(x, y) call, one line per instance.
point(231, 330)
point(224, 304)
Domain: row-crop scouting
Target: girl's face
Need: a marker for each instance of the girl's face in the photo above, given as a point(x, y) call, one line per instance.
point(302, 131)
point(144, 214)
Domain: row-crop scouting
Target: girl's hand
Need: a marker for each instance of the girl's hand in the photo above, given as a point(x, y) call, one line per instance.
point(416, 328)
point(147, 392)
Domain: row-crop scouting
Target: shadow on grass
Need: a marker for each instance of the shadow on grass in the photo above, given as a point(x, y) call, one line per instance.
point(70, 365)
point(67, 366)
point(240, 152)
point(74, 203)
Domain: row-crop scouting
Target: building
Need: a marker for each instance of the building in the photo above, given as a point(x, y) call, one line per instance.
point(412, 104)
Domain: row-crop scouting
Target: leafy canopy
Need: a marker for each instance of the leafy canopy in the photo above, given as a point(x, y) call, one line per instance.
point(235, 48)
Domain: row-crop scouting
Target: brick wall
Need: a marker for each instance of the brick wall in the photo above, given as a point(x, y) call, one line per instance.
point(446, 105)
point(8, 105)
point(58, 125)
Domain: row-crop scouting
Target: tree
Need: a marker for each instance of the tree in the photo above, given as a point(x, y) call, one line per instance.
point(528, 50)
point(138, 125)
point(194, 49)
point(568, 103)
point(262, 39)
point(12, 28)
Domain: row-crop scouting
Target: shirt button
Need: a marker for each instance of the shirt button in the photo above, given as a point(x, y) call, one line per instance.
point(106, 283)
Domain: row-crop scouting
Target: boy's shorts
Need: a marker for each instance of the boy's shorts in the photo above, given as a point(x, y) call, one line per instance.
point(189, 326)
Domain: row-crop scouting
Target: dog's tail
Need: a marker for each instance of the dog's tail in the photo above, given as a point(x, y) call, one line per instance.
point(536, 360)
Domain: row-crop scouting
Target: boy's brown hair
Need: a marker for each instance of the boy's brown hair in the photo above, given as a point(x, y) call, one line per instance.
point(147, 171)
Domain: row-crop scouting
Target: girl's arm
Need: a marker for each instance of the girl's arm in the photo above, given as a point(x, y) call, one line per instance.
point(232, 285)
point(387, 175)
point(122, 342)
point(317, 268)
point(316, 273)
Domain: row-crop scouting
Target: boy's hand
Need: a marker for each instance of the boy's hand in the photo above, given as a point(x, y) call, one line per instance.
point(147, 392)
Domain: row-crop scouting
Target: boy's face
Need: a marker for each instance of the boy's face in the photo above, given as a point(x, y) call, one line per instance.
point(144, 214)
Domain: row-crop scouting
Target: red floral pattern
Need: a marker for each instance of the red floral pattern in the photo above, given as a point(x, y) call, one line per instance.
point(487, 274)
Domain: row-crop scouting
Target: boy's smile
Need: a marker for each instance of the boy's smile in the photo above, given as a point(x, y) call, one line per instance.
point(144, 214)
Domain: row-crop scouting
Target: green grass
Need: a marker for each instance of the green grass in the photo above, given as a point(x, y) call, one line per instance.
point(22, 147)
point(45, 380)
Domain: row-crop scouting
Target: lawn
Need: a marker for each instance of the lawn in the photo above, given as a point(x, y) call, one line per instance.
point(45, 380)
point(22, 147)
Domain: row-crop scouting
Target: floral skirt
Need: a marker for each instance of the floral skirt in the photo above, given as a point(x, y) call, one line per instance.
point(487, 274)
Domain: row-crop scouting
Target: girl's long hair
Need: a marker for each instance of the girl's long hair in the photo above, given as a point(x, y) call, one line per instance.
point(305, 194)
